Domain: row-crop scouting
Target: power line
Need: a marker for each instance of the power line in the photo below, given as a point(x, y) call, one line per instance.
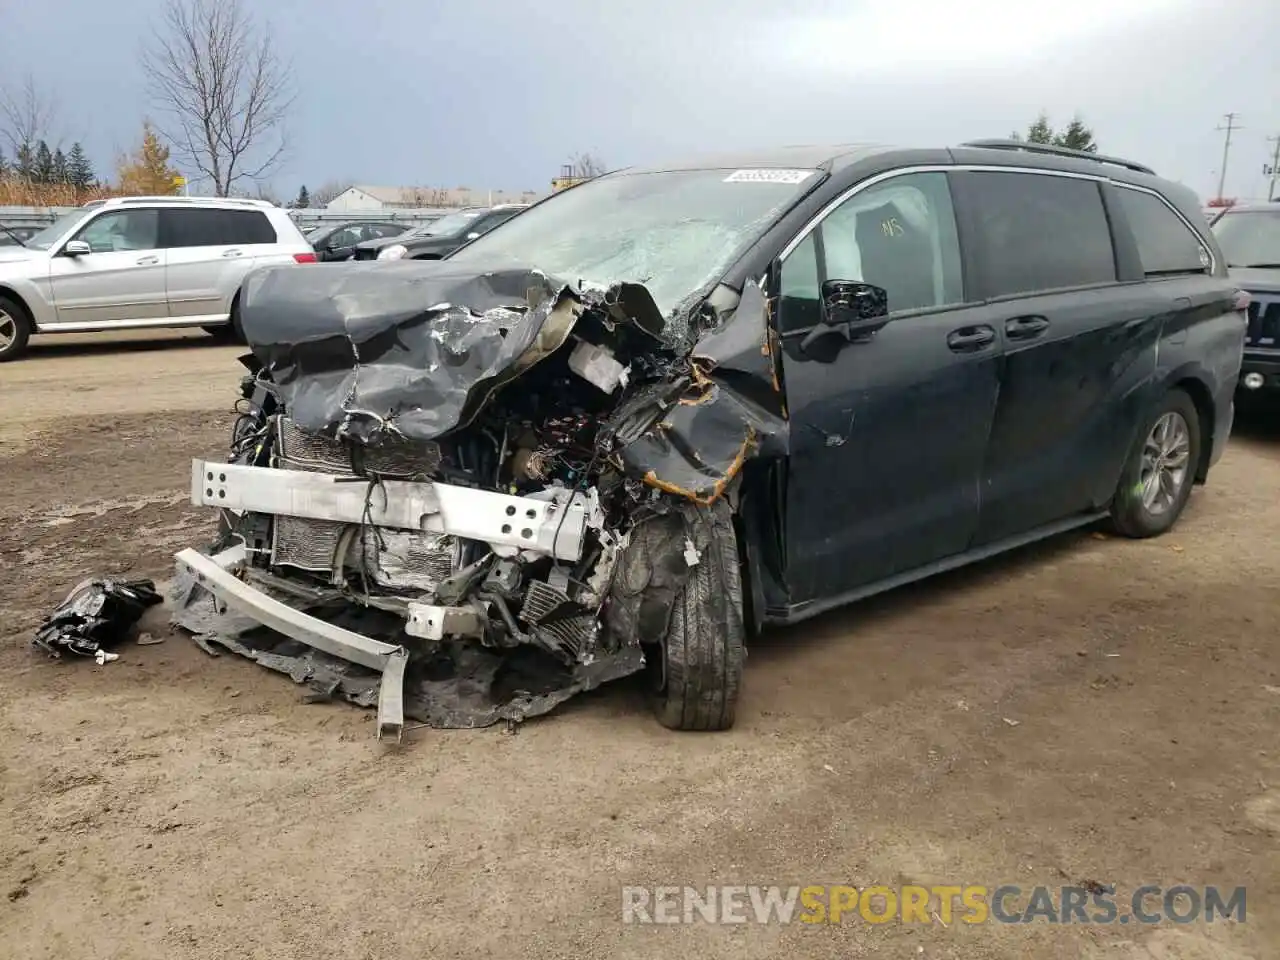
point(1230, 128)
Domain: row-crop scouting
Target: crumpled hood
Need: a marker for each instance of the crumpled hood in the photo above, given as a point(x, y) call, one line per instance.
point(414, 349)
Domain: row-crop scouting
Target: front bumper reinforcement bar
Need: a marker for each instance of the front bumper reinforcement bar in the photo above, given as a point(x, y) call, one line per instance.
point(217, 574)
point(508, 523)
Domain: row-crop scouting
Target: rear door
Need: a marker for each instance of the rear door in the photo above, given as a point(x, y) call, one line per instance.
point(887, 433)
point(210, 251)
point(1079, 345)
point(121, 280)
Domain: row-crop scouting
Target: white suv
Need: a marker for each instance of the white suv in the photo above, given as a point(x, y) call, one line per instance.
point(133, 262)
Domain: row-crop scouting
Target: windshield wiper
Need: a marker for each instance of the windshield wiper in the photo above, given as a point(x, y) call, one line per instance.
point(13, 236)
point(1255, 266)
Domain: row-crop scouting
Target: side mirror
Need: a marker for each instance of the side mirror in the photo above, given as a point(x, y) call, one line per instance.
point(851, 309)
point(76, 248)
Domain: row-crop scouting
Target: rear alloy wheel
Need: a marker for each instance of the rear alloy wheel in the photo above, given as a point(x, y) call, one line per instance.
point(15, 329)
point(1157, 480)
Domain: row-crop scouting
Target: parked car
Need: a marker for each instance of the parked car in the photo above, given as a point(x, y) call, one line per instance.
point(441, 237)
point(16, 236)
point(337, 241)
point(1250, 241)
point(132, 262)
point(667, 406)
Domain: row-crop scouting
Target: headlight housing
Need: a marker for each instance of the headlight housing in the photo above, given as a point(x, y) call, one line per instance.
point(394, 252)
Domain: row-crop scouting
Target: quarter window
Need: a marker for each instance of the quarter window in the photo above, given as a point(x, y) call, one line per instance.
point(1040, 232)
point(122, 230)
point(899, 235)
point(217, 228)
point(1166, 245)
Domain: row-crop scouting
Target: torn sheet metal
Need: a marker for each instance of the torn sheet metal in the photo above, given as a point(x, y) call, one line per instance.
point(96, 615)
point(728, 409)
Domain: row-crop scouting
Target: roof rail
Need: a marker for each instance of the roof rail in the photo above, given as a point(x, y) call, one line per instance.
point(240, 201)
point(1056, 151)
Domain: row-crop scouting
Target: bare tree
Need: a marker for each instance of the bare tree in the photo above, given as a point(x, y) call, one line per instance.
point(28, 116)
point(322, 195)
point(586, 165)
point(224, 93)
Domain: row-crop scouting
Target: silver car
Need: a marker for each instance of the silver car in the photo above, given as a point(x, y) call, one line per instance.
point(135, 262)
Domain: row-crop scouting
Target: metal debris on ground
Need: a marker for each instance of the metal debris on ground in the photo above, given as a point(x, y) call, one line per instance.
point(96, 615)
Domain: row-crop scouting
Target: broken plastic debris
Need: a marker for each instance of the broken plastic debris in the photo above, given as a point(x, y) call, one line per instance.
point(95, 615)
point(691, 555)
point(1012, 723)
point(103, 657)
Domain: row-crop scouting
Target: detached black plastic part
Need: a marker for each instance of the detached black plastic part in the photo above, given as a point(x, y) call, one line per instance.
point(96, 615)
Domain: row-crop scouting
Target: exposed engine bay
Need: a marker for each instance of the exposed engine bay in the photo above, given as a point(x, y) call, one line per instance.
point(487, 483)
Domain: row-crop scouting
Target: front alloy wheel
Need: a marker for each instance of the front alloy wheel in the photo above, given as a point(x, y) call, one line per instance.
point(14, 330)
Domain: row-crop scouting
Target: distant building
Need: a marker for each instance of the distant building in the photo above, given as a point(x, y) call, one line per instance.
point(364, 199)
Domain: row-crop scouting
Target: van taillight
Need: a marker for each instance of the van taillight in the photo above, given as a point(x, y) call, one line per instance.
point(304, 258)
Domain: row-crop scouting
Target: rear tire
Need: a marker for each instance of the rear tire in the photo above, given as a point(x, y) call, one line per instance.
point(705, 645)
point(1156, 482)
point(15, 329)
point(229, 332)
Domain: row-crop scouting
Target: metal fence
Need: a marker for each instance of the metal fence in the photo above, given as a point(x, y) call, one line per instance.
point(306, 219)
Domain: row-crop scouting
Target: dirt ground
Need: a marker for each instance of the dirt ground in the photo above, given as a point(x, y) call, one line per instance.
point(1088, 710)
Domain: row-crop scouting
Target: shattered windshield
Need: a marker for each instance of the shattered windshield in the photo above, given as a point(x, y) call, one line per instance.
point(51, 234)
point(673, 231)
point(1250, 238)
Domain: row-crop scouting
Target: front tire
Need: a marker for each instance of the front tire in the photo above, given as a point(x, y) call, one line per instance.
point(1157, 479)
point(705, 645)
point(15, 329)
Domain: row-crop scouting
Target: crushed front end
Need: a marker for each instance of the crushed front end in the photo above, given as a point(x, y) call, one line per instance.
point(433, 501)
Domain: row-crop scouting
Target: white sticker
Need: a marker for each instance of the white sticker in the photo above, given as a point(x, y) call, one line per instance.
point(769, 176)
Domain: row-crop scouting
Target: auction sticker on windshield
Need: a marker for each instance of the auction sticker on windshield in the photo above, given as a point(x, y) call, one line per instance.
point(769, 176)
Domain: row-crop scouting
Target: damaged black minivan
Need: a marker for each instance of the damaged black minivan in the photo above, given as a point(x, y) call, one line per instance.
point(668, 406)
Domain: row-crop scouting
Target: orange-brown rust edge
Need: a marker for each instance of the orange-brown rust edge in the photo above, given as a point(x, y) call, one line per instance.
point(717, 489)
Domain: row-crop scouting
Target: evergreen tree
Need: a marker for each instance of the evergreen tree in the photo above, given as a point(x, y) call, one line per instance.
point(60, 167)
point(44, 163)
point(79, 169)
point(304, 199)
point(1077, 136)
point(1040, 131)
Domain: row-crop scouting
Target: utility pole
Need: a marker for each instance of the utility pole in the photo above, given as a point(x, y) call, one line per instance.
point(1226, 150)
point(1275, 168)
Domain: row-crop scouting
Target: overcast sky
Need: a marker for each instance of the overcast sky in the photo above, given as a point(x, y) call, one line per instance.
point(498, 93)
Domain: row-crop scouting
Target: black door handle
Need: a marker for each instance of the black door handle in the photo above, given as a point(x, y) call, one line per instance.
point(1025, 328)
point(971, 339)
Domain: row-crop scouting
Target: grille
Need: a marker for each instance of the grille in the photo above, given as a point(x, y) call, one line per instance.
point(1264, 323)
point(305, 544)
point(302, 450)
point(558, 621)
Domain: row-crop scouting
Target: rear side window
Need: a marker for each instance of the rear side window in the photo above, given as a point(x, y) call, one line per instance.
point(1166, 245)
point(216, 228)
point(1039, 232)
